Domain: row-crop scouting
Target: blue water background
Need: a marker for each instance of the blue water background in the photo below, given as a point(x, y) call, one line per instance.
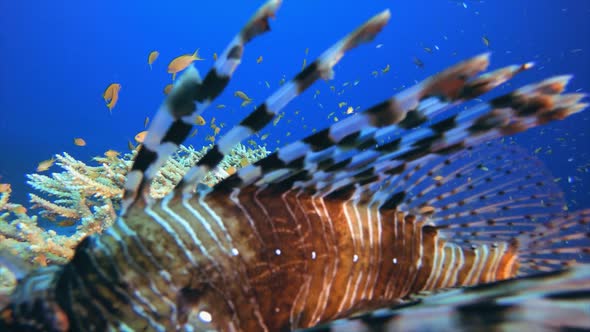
point(59, 56)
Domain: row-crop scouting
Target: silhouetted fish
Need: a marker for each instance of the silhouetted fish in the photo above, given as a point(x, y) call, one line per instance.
point(403, 198)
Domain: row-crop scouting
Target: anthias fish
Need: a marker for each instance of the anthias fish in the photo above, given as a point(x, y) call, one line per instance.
point(403, 198)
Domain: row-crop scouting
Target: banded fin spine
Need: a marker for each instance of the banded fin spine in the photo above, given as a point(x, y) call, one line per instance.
point(407, 109)
point(335, 146)
point(263, 114)
point(189, 98)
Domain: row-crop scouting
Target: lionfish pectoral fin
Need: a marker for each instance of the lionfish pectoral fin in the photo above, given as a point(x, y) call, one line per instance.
point(173, 121)
point(560, 242)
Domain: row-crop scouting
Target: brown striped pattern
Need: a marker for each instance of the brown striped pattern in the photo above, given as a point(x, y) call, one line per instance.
point(308, 260)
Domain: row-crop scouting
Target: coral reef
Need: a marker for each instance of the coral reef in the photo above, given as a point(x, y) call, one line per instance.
point(88, 196)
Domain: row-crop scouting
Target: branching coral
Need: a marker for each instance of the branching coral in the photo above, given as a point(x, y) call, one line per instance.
point(89, 196)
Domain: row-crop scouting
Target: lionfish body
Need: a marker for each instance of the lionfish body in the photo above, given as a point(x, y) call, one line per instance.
point(363, 215)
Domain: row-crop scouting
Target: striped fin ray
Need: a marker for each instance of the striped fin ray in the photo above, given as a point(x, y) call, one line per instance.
point(467, 128)
point(263, 114)
point(475, 125)
point(347, 146)
point(550, 301)
point(493, 187)
point(189, 98)
point(561, 242)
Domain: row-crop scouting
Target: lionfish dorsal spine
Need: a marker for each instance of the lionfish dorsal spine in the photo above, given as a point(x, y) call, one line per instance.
point(188, 99)
point(408, 109)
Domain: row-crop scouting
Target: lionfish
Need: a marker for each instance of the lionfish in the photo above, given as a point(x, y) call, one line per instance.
point(376, 211)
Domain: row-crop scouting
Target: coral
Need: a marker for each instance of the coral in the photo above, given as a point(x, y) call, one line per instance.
point(89, 196)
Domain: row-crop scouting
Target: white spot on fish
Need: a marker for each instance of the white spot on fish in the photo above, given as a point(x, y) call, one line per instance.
point(278, 252)
point(313, 255)
point(205, 316)
point(234, 251)
point(394, 260)
point(355, 258)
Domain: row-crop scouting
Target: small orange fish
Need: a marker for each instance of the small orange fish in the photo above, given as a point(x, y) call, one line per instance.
point(200, 121)
point(141, 136)
point(245, 99)
point(111, 95)
point(152, 57)
point(168, 88)
point(180, 63)
point(111, 154)
point(231, 170)
point(19, 209)
point(66, 223)
point(45, 165)
point(5, 188)
point(79, 141)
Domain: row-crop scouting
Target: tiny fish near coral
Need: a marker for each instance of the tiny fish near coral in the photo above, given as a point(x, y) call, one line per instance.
point(152, 57)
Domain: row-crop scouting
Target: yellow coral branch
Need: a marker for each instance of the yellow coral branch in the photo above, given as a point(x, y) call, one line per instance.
point(54, 208)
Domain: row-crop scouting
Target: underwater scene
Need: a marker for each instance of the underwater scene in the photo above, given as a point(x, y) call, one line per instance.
point(282, 165)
